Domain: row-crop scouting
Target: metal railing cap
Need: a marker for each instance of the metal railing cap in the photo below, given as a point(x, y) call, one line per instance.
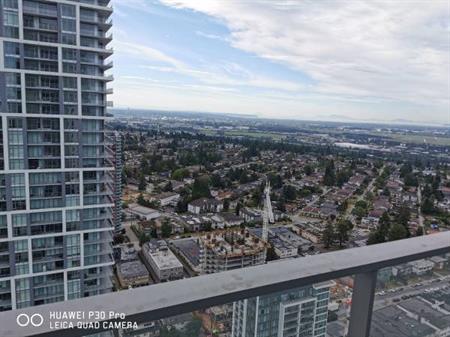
point(176, 297)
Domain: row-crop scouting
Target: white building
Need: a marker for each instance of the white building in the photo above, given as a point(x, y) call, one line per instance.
point(421, 267)
point(143, 212)
point(167, 198)
point(205, 205)
point(163, 263)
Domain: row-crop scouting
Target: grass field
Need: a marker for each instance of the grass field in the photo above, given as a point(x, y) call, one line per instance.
point(274, 136)
point(419, 139)
point(250, 134)
point(401, 137)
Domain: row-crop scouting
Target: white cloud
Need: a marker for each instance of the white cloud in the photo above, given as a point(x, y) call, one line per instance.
point(145, 53)
point(211, 36)
point(225, 74)
point(386, 51)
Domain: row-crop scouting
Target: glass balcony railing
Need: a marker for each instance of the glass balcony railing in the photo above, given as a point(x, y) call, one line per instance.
point(102, 21)
point(32, 24)
point(399, 288)
point(34, 8)
point(104, 3)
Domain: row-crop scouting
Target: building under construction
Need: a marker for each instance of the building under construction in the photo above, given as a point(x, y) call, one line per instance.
point(231, 249)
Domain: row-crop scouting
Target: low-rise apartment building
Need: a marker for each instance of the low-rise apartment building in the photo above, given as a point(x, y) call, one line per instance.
point(231, 249)
point(164, 265)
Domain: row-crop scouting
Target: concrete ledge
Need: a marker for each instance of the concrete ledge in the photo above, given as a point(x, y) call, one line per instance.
point(167, 299)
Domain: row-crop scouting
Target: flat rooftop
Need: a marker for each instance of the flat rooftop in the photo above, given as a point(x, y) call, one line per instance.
point(162, 256)
point(287, 235)
point(274, 240)
point(282, 238)
point(132, 269)
point(238, 242)
point(425, 310)
point(393, 322)
point(136, 208)
point(190, 249)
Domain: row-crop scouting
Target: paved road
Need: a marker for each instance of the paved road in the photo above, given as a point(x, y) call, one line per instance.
point(386, 299)
point(130, 234)
point(368, 189)
point(296, 218)
point(314, 200)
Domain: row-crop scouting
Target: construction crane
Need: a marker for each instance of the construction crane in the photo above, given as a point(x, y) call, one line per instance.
point(267, 213)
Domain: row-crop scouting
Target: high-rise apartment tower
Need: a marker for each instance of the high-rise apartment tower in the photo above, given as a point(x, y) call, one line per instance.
point(118, 169)
point(56, 167)
point(300, 312)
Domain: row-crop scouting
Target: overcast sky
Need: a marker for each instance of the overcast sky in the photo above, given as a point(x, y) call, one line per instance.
point(371, 60)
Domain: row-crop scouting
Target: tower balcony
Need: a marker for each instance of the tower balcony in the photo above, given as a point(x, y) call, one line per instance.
point(157, 303)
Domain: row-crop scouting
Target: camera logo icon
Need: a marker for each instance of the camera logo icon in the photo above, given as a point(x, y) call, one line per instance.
point(24, 320)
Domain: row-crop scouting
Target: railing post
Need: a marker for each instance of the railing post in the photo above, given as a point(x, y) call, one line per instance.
point(362, 304)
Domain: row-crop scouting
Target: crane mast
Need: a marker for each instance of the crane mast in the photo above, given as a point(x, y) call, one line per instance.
point(267, 212)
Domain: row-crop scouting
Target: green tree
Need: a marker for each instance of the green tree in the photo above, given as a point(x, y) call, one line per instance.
point(216, 181)
point(275, 180)
point(403, 216)
point(153, 233)
point(182, 205)
point(238, 207)
point(192, 329)
point(361, 204)
point(226, 204)
point(200, 188)
point(385, 219)
point(329, 178)
point(342, 177)
point(142, 183)
point(343, 206)
point(119, 239)
point(343, 229)
point(308, 170)
point(180, 174)
point(328, 235)
point(281, 204)
point(375, 237)
point(168, 187)
point(427, 191)
point(147, 203)
point(251, 151)
point(397, 232)
point(381, 233)
point(411, 180)
point(166, 229)
point(405, 169)
point(143, 238)
point(206, 227)
point(289, 192)
point(419, 231)
point(428, 206)
point(359, 212)
point(141, 201)
point(271, 255)
point(244, 178)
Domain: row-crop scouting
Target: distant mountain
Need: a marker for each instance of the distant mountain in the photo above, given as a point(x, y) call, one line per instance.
point(398, 121)
point(333, 118)
point(178, 113)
